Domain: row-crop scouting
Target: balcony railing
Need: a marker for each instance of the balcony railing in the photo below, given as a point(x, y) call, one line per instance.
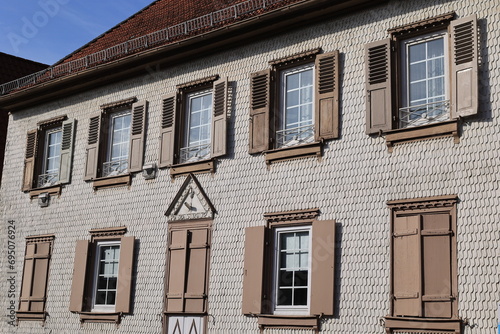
point(115, 167)
point(295, 136)
point(194, 153)
point(48, 179)
point(424, 114)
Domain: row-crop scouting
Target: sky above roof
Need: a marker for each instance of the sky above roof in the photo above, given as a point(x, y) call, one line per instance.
point(47, 30)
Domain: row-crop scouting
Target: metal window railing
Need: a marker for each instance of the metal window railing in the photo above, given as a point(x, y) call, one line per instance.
point(137, 44)
point(48, 179)
point(115, 167)
point(194, 153)
point(424, 114)
point(295, 136)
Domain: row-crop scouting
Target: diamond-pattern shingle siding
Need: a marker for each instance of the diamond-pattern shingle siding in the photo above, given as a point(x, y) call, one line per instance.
point(351, 184)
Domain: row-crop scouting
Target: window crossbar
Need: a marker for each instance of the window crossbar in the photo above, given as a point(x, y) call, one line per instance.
point(424, 114)
point(294, 136)
point(48, 179)
point(115, 167)
point(194, 152)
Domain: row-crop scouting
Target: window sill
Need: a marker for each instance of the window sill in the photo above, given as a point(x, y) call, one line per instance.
point(203, 166)
point(100, 317)
point(435, 130)
point(430, 324)
point(53, 190)
point(113, 181)
point(288, 322)
point(294, 152)
point(30, 316)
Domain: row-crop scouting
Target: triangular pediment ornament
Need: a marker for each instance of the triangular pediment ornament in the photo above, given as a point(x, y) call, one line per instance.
point(193, 329)
point(177, 328)
point(191, 202)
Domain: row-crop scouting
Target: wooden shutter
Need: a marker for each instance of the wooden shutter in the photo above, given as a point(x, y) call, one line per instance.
point(253, 271)
point(464, 67)
point(92, 157)
point(66, 160)
point(125, 266)
point(29, 159)
point(436, 252)
point(219, 118)
point(167, 133)
point(327, 96)
point(378, 86)
point(322, 267)
point(79, 276)
point(260, 103)
point(136, 153)
point(406, 266)
point(174, 301)
point(36, 270)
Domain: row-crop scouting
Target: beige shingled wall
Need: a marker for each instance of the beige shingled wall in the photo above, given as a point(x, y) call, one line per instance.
point(351, 184)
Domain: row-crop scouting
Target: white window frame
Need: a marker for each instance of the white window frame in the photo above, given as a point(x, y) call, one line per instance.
point(290, 309)
point(111, 129)
point(283, 106)
point(95, 307)
point(405, 68)
point(47, 135)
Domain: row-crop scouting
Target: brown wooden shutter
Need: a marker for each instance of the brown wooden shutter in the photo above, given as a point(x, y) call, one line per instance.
point(253, 271)
point(378, 86)
point(167, 133)
point(436, 272)
point(29, 159)
point(125, 266)
point(92, 157)
point(260, 104)
point(219, 118)
point(35, 275)
point(322, 267)
point(76, 301)
point(464, 67)
point(196, 271)
point(327, 96)
point(406, 266)
point(66, 160)
point(137, 133)
point(174, 301)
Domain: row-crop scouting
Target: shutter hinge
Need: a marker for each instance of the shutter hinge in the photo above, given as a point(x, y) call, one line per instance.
point(393, 48)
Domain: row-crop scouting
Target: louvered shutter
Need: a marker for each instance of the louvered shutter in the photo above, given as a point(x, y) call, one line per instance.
point(378, 86)
point(327, 96)
point(322, 267)
point(125, 266)
point(174, 301)
point(76, 301)
point(260, 104)
point(219, 118)
point(167, 133)
point(406, 266)
point(136, 153)
point(36, 270)
point(29, 159)
point(92, 157)
point(464, 67)
point(436, 272)
point(66, 159)
point(253, 271)
point(195, 295)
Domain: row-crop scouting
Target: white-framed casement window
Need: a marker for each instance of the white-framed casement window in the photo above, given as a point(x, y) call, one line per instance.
point(106, 276)
point(425, 84)
point(296, 118)
point(51, 157)
point(198, 125)
point(117, 153)
point(292, 270)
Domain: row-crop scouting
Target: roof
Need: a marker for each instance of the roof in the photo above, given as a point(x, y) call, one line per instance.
point(15, 67)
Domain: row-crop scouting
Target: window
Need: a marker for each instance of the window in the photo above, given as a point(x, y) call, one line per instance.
point(295, 103)
point(424, 75)
point(289, 270)
point(49, 154)
point(194, 126)
point(35, 277)
point(424, 264)
point(102, 276)
point(115, 144)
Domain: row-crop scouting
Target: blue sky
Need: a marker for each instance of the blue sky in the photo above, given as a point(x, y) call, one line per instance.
point(47, 30)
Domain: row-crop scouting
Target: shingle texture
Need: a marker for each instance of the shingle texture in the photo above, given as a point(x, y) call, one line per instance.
point(350, 184)
point(13, 67)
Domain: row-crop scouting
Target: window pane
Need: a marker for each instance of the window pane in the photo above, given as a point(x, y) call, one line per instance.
point(292, 81)
point(417, 71)
point(111, 298)
point(284, 297)
point(300, 297)
point(287, 241)
point(300, 278)
point(307, 78)
point(418, 91)
point(417, 52)
point(112, 283)
point(292, 98)
point(100, 298)
point(285, 278)
point(292, 118)
point(435, 67)
point(436, 88)
point(435, 48)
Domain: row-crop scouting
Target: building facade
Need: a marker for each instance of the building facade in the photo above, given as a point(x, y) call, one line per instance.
point(307, 166)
